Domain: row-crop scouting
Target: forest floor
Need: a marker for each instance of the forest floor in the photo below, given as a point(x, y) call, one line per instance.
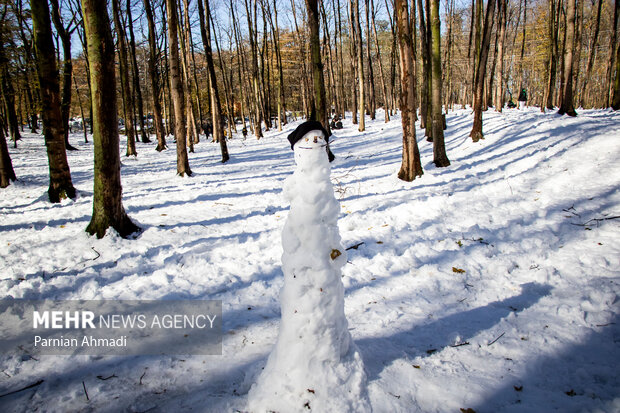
point(492, 284)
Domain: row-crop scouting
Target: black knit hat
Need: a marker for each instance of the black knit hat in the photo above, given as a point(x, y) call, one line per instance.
point(306, 127)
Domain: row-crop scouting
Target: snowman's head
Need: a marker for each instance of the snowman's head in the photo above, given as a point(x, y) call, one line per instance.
point(309, 141)
point(310, 149)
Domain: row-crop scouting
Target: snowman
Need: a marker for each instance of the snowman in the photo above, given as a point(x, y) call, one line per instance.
point(314, 365)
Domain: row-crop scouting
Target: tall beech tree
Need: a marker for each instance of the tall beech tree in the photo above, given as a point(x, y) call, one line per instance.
point(137, 90)
point(216, 111)
point(67, 67)
point(355, 17)
point(411, 166)
point(499, 86)
point(108, 208)
point(317, 66)
point(566, 105)
point(153, 74)
point(7, 173)
point(125, 88)
point(476, 131)
point(176, 90)
point(61, 185)
point(440, 158)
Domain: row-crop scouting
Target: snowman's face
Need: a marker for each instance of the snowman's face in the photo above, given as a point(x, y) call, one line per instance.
point(310, 148)
point(311, 140)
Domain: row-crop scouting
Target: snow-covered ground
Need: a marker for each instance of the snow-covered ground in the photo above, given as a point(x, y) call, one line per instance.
point(492, 284)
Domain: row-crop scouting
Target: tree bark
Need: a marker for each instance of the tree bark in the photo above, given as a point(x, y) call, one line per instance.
point(372, 104)
point(7, 173)
point(425, 100)
point(154, 78)
point(591, 57)
point(360, 64)
point(108, 208)
point(124, 71)
point(567, 106)
point(144, 135)
point(476, 131)
point(317, 65)
point(53, 131)
point(176, 90)
point(499, 87)
point(615, 104)
point(411, 166)
point(440, 158)
point(215, 98)
point(610, 63)
point(67, 69)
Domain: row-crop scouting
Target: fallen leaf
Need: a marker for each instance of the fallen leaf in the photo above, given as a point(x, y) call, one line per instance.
point(335, 254)
point(458, 270)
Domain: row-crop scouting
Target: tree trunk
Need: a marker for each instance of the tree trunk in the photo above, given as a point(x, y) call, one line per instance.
point(553, 24)
point(176, 90)
point(499, 87)
point(60, 175)
point(476, 131)
point(7, 173)
point(597, 25)
point(360, 64)
point(108, 208)
point(615, 104)
point(566, 106)
point(425, 100)
point(610, 63)
point(67, 70)
point(154, 78)
point(372, 104)
point(386, 101)
point(216, 110)
point(411, 166)
point(124, 71)
point(144, 135)
point(317, 65)
point(440, 158)
point(251, 17)
point(8, 92)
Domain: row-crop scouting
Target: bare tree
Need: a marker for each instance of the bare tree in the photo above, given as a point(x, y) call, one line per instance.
point(124, 71)
point(176, 90)
point(67, 70)
point(355, 18)
point(61, 185)
point(154, 78)
point(137, 90)
point(476, 131)
point(108, 208)
point(499, 87)
point(440, 158)
point(317, 66)
point(216, 110)
point(566, 105)
point(411, 166)
point(7, 174)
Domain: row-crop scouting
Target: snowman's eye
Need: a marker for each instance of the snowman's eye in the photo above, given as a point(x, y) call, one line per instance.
point(306, 139)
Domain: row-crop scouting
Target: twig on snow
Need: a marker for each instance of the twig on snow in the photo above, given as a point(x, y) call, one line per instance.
point(500, 336)
point(356, 246)
point(30, 386)
point(85, 392)
point(597, 220)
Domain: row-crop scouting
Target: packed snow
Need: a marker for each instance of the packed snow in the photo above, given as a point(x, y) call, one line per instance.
point(489, 285)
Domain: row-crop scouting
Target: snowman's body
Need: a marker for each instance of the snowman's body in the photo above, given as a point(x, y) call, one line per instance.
point(314, 366)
